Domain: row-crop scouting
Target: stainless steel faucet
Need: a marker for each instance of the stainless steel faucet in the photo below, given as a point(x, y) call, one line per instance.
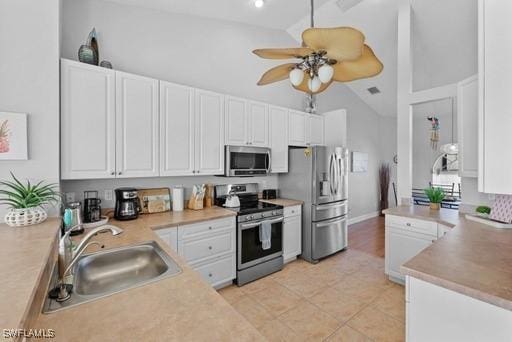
point(68, 257)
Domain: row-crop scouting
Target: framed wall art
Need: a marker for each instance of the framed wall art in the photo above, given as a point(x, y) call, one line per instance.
point(13, 136)
point(359, 162)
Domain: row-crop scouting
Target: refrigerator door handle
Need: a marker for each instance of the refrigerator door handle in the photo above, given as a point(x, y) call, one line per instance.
point(332, 174)
point(331, 222)
point(322, 207)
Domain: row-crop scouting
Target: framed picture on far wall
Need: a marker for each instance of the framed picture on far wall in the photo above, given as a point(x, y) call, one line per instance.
point(359, 162)
point(13, 136)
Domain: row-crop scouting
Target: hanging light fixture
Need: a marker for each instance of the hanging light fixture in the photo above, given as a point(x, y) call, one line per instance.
point(326, 55)
point(453, 147)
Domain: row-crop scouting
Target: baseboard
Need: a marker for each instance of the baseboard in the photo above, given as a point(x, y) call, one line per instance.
point(363, 217)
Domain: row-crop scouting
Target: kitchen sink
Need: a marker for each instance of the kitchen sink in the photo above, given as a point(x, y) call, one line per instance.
point(107, 272)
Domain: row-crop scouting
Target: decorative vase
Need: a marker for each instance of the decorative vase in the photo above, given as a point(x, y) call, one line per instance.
point(435, 206)
point(25, 216)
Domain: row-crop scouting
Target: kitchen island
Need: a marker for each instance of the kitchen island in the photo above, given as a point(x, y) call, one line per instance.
point(183, 307)
point(460, 287)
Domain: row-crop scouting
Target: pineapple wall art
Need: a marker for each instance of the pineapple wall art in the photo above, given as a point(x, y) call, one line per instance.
point(13, 136)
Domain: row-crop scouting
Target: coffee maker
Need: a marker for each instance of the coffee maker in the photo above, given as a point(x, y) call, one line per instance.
point(127, 204)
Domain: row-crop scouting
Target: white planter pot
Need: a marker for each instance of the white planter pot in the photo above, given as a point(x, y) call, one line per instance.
point(25, 217)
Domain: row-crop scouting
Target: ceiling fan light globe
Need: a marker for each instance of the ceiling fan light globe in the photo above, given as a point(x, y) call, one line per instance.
point(314, 84)
point(296, 77)
point(325, 73)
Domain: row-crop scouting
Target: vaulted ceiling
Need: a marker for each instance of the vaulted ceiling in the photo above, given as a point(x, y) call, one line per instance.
point(275, 14)
point(444, 34)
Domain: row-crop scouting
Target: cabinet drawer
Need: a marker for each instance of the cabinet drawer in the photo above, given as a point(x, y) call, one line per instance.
point(411, 224)
point(292, 211)
point(198, 229)
point(207, 247)
point(218, 271)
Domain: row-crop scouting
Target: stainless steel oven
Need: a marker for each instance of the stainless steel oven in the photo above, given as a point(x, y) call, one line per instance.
point(253, 261)
point(247, 161)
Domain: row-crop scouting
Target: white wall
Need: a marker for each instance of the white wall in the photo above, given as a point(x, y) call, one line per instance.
point(29, 83)
point(367, 132)
point(79, 186)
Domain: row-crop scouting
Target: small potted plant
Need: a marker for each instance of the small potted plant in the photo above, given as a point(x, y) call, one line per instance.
point(26, 201)
point(435, 196)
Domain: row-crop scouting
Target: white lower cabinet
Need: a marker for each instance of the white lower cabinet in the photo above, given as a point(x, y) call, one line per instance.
point(292, 233)
point(405, 238)
point(169, 236)
point(209, 247)
point(434, 313)
point(219, 272)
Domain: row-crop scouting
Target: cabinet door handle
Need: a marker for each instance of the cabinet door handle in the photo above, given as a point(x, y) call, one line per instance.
point(112, 173)
point(120, 173)
point(210, 247)
point(197, 171)
point(210, 228)
point(210, 275)
point(408, 224)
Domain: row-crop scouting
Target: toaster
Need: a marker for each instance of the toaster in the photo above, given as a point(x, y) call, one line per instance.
point(269, 194)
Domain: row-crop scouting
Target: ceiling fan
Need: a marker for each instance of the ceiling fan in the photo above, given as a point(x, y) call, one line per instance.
point(327, 55)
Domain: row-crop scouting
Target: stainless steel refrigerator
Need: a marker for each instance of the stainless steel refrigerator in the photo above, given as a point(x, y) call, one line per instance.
point(319, 177)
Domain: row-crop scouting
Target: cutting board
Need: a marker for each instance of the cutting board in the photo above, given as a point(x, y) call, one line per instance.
point(155, 200)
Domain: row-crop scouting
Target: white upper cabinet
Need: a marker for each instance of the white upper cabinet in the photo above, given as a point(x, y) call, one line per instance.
point(136, 126)
point(316, 129)
point(297, 128)
point(305, 129)
point(237, 127)
point(279, 138)
point(467, 126)
point(495, 83)
point(258, 124)
point(209, 138)
point(247, 122)
point(87, 121)
point(177, 130)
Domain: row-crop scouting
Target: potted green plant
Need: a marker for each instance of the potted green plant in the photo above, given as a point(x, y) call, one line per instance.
point(26, 201)
point(435, 196)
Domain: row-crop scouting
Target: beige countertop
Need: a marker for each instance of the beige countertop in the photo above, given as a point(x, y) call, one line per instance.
point(447, 217)
point(24, 256)
point(283, 202)
point(183, 307)
point(472, 258)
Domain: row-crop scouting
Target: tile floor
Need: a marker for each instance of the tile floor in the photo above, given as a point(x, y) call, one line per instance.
point(345, 297)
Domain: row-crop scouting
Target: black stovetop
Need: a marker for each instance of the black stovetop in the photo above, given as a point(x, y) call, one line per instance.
point(249, 204)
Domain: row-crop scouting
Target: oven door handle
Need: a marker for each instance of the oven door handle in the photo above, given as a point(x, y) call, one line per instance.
point(256, 224)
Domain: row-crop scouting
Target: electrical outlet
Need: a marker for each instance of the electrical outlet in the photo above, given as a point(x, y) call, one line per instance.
point(108, 195)
point(492, 197)
point(70, 197)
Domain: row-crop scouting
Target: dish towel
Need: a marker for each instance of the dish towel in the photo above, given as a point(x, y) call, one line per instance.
point(265, 235)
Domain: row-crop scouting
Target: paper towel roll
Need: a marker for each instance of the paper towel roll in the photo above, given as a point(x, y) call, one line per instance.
point(177, 199)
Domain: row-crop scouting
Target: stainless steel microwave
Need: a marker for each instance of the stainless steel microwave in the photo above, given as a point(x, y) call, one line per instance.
point(246, 161)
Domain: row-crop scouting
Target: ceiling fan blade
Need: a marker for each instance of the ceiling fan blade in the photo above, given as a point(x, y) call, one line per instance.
point(277, 73)
point(304, 86)
point(285, 53)
point(367, 65)
point(340, 43)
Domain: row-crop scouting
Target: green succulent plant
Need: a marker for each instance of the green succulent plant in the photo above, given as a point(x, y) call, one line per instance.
point(17, 195)
point(483, 209)
point(435, 195)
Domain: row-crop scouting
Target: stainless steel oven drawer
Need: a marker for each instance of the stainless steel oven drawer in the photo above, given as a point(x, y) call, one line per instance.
point(329, 210)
